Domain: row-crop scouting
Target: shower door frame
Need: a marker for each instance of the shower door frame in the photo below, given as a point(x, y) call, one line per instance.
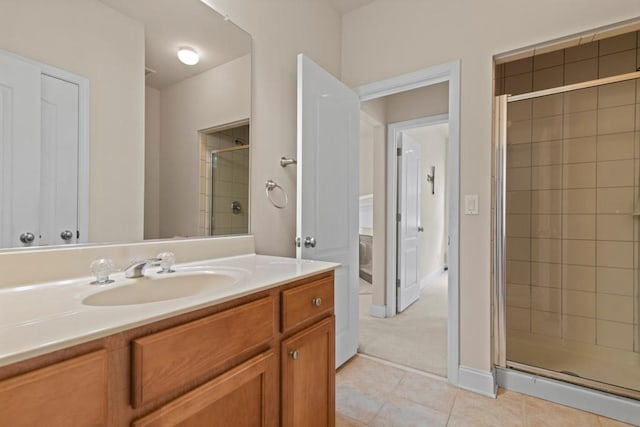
point(499, 238)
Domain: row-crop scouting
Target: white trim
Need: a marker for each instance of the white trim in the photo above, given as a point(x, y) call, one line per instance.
point(481, 382)
point(446, 72)
point(586, 399)
point(83, 135)
point(426, 280)
point(379, 311)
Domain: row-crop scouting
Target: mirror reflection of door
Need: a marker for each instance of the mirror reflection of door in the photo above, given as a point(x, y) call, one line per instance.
point(39, 141)
point(224, 180)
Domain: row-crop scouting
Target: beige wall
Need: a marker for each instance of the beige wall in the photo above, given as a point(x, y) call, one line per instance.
point(280, 29)
point(152, 163)
point(216, 97)
point(388, 38)
point(416, 103)
point(86, 37)
point(366, 158)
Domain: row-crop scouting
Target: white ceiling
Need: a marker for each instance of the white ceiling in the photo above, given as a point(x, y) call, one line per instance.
point(193, 24)
point(346, 6)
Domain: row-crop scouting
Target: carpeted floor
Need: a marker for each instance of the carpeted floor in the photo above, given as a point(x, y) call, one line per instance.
point(416, 337)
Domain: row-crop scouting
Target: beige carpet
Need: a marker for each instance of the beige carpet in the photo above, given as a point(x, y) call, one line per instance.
point(416, 337)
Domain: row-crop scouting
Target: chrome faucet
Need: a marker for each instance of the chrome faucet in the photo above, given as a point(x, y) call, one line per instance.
point(136, 269)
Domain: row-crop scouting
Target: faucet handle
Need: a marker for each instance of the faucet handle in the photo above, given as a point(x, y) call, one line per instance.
point(167, 259)
point(101, 268)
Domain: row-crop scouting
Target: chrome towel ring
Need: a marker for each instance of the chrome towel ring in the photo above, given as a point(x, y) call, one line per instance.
point(269, 187)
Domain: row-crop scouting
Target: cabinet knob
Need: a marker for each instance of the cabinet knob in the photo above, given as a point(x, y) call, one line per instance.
point(66, 235)
point(294, 354)
point(317, 302)
point(27, 238)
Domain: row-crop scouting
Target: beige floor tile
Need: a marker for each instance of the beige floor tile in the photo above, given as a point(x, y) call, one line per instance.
point(542, 413)
point(359, 405)
point(344, 421)
point(366, 374)
point(433, 393)
point(404, 413)
point(474, 409)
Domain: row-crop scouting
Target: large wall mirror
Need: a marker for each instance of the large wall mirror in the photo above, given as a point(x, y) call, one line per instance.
point(108, 135)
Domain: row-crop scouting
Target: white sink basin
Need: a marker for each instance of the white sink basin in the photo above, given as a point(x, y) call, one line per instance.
point(163, 287)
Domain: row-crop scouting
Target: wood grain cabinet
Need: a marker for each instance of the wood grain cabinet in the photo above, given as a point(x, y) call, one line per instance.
point(308, 377)
point(266, 359)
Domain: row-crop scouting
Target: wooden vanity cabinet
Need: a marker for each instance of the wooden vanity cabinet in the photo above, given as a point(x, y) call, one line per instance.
point(264, 359)
point(308, 376)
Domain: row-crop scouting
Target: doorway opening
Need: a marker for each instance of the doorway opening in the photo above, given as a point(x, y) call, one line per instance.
point(405, 320)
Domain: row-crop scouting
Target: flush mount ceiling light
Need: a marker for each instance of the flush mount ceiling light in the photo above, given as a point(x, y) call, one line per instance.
point(188, 56)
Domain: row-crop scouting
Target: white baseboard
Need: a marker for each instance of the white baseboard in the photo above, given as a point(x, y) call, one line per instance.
point(481, 382)
point(431, 276)
point(586, 399)
point(378, 311)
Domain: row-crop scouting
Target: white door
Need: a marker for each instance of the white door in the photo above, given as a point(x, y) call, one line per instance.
point(59, 171)
point(19, 151)
point(409, 204)
point(328, 189)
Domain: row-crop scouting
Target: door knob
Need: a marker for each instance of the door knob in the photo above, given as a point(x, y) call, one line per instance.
point(309, 242)
point(27, 238)
point(66, 235)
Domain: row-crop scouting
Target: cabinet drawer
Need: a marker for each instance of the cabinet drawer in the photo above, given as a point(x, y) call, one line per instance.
point(243, 396)
point(168, 360)
point(306, 302)
point(73, 393)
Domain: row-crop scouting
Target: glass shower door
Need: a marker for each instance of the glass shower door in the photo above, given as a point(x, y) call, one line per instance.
point(571, 234)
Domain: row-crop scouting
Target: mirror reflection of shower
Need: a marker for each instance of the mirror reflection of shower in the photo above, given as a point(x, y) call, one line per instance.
point(224, 180)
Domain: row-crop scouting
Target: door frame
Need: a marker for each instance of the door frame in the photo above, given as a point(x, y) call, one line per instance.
point(449, 72)
point(83, 135)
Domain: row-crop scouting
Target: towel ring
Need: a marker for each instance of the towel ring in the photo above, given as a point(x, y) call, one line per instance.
point(269, 187)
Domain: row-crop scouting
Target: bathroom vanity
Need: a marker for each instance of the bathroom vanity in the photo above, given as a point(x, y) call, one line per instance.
point(258, 352)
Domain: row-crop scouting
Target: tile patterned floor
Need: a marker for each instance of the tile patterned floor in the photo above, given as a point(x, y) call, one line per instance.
point(372, 393)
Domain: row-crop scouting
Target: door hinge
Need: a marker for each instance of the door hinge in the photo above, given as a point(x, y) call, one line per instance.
point(398, 283)
point(398, 217)
point(77, 234)
point(399, 151)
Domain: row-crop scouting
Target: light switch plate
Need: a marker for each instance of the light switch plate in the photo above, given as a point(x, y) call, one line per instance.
point(471, 204)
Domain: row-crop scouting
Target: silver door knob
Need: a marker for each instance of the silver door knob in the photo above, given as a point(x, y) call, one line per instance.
point(294, 354)
point(317, 302)
point(66, 235)
point(309, 242)
point(27, 238)
point(421, 229)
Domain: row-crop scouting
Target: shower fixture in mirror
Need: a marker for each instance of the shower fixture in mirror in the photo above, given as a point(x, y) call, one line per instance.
point(106, 135)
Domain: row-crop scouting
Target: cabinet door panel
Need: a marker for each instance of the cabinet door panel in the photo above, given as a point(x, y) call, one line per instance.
point(243, 396)
point(308, 377)
point(69, 393)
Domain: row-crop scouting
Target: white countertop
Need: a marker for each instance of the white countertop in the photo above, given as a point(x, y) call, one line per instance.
point(40, 318)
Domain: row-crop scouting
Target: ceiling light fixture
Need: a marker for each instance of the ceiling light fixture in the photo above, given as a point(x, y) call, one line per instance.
point(188, 56)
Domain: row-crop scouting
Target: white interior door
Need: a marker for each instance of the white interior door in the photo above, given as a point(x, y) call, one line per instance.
point(19, 150)
point(59, 173)
point(328, 189)
point(409, 203)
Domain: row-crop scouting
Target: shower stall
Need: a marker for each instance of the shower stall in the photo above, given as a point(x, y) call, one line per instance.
point(566, 233)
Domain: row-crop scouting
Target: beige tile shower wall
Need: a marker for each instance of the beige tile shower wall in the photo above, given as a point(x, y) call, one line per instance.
point(227, 182)
point(598, 59)
point(572, 241)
